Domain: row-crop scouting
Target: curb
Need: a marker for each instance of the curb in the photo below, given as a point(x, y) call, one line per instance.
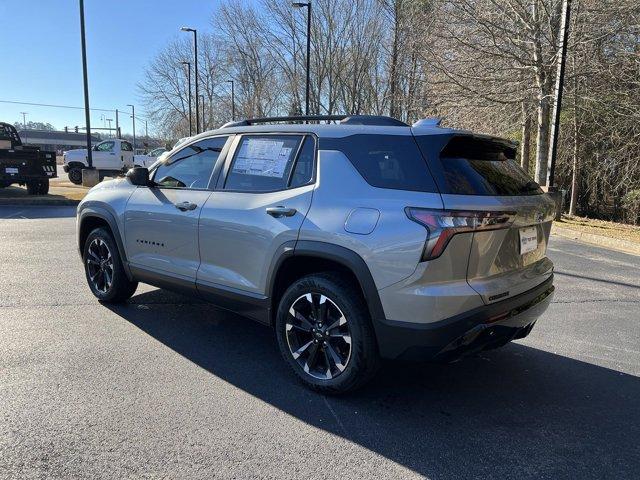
point(619, 245)
point(21, 202)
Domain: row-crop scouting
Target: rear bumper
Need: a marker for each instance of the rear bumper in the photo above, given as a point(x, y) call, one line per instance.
point(485, 327)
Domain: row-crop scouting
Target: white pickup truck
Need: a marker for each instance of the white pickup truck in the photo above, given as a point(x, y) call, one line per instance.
point(110, 157)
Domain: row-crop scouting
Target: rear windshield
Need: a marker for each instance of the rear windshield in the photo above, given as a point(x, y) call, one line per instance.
point(385, 161)
point(479, 166)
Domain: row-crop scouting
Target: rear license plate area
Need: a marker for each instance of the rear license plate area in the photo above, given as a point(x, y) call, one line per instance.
point(528, 239)
point(11, 170)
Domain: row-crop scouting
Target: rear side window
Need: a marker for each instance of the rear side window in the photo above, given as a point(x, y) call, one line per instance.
point(385, 161)
point(126, 147)
point(480, 166)
point(263, 163)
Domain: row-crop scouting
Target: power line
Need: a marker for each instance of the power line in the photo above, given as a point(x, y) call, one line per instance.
point(71, 107)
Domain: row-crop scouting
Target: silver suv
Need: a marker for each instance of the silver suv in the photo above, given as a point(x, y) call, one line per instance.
point(357, 240)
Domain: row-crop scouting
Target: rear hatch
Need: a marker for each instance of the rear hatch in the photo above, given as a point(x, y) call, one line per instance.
point(479, 178)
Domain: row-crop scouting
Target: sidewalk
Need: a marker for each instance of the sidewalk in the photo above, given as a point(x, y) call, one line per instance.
point(616, 236)
point(61, 192)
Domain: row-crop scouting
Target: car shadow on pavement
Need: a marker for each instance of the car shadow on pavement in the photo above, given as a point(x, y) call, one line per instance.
point(517, 412)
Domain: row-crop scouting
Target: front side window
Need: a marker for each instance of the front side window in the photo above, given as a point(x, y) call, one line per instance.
point(105, 147)
point(191, 167)
point(263, 163)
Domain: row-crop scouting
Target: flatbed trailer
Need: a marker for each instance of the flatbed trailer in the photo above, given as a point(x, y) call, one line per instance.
point(24, 164)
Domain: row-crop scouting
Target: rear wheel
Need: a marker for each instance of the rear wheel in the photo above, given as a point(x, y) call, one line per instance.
point(325, 334)
point(104, 270)
point(75, 175)
point(38, 187)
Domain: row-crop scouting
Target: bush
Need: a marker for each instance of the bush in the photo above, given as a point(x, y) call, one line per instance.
point(631, 206)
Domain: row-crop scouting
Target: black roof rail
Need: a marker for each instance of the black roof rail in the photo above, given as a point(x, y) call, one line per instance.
point(343, 119)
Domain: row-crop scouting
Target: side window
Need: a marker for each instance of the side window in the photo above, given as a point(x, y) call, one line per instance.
point(385, 161)
point(126, 147)
point(191, 167)
point(303, 171)
point(263, 163)
point(105, 147)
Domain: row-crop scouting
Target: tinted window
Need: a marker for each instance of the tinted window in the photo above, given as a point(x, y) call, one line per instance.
point(385, 161)
point(262, 163)
point(192, 166)
point(479, 166)
point(303, 170)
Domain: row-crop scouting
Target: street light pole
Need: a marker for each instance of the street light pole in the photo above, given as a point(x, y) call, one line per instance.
point(308, 81)
point(86, 86)
point(133, 117)
point(233, 100)
point(195, 70)
point(117, 125)
point(188, 64)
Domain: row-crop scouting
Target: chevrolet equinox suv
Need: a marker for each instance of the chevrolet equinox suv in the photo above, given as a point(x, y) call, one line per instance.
point(356, 240)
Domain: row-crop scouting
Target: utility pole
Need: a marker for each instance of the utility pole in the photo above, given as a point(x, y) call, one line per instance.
point(24, 124)
point(117, 125)
point(87, 113)
point(188, 64)
point(562, 59)
point(133, 117)
point(109, 120)
point(307, 87)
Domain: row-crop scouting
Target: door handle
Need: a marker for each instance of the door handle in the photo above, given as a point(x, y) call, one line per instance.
point(281, 211)
point(185, 206)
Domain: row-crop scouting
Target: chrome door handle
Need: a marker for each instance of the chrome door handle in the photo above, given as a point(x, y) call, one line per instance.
point(184, 206)
point(281, 211)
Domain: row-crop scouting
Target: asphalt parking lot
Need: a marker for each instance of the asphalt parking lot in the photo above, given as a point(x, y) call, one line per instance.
point(167, 386)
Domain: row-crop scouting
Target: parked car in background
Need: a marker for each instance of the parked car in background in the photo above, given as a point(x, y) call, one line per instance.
point(110, 157)
point(24, 164)
point(364, 239)
point(148, 159)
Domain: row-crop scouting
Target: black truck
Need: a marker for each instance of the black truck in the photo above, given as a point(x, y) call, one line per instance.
point(24, 164)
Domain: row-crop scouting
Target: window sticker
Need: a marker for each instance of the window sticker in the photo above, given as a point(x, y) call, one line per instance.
point(262, 157)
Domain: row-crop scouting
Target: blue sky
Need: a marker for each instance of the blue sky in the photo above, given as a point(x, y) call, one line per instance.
point(41, 58)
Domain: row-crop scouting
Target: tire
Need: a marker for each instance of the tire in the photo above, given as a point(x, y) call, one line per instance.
point(38, 187)
point(75, 175)
point(358, 360)
point(102, 261)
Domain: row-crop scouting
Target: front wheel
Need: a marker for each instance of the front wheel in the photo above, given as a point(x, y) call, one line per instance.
point(75, 175)
point(325, 334)
point(104, 270)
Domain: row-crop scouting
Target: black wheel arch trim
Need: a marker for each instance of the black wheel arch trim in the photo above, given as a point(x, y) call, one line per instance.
point(338, 254)
point(95, 211)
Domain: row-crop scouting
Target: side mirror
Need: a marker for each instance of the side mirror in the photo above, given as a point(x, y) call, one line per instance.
point(139, 176)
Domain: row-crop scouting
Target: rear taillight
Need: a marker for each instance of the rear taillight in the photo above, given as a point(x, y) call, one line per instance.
point(441, 225)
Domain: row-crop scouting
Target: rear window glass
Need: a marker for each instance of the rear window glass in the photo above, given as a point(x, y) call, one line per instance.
point(478, 166)
point(385, 161)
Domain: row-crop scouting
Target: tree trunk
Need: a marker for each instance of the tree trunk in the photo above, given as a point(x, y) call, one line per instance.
point(393, 71)
point(576, 149)
point(525, 147)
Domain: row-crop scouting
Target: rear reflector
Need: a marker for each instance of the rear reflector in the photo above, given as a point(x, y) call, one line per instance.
point(441, 225)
